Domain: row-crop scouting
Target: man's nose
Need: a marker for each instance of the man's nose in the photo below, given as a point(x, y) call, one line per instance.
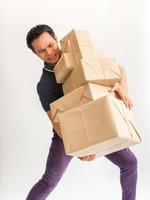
point(49, 51)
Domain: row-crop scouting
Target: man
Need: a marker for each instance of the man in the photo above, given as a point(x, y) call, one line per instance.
point(42, 40)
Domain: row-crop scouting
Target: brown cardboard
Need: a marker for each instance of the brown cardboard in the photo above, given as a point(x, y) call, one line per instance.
point(110, 68)
point(79, 96)
point(77, 37)
point(99, 127)
point(78, 43)
point(64, 66)
point(103, 71)
point(68, 85)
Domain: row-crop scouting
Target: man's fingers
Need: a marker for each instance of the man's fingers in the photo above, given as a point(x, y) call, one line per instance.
point(92, 157)
point(130, 104)
point(87, 158)
point(122, 95)
point(114, 88)
point(125, 100)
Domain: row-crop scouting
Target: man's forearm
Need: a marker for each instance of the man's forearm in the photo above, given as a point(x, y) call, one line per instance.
point(123, 79)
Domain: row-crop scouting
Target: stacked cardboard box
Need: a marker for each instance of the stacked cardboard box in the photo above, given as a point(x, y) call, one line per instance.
point(78, 51)
point(99, 127)
point(92, 120)
point(77, 97)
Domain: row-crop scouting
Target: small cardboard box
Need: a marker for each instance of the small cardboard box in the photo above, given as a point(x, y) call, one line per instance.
point(76, 38)
point(63, 67)
point(103, 71)
point(79, 96)
point(78, 43)
point(99, 127)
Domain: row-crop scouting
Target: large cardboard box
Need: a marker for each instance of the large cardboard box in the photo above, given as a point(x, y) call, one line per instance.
point(99, 127)
point(64, 66)
point(79, 43)
point(79, 96)
point(103, 71)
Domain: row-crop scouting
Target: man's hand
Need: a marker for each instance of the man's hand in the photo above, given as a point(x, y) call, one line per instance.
point(122, 92)
point(120, 88)
point(87, 158)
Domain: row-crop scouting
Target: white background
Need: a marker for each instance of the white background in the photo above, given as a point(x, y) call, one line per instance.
point(119, 29)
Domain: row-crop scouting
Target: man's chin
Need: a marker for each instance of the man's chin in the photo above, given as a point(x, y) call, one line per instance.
point(52, 62)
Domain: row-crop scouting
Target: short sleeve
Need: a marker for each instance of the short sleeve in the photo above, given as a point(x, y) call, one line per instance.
point(46, 96)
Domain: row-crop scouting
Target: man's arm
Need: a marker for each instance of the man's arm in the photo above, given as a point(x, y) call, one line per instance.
point(56, 126)
point(121, 88)
point(123, 79)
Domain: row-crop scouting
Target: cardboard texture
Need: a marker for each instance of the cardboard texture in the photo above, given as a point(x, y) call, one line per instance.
point(79, 96)
point(99, 127)
point(78, 43)
point(103, 71)
point(64, 66)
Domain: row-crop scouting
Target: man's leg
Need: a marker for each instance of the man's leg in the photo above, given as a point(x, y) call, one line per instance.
point(56, 165)
point(127, 162)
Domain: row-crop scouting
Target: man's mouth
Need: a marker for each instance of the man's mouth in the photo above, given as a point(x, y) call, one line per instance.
point(52, 57)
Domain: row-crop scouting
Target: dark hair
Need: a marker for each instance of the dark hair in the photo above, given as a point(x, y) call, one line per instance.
point(36, 31)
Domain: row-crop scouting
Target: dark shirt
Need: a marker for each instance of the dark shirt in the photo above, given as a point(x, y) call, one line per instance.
point(48, 89)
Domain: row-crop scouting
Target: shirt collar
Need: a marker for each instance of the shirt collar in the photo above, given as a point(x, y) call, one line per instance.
point(49, 67)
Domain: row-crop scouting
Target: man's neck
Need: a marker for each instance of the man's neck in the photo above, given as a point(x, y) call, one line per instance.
point(49, 67)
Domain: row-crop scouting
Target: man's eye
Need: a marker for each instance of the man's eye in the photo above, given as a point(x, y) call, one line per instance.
point(41, 51)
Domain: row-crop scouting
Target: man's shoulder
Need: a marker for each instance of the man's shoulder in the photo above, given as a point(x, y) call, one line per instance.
point(42, 83)
point(39, 86)
point(42, 86)
point(48, 85)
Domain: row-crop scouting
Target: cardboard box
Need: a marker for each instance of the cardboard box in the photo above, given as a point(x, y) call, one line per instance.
point(78, 43)
point(75, 38)
point(64, 66)
point(110, 69)
point(99, 127)
point(79, 96)
point(69, 85)
point(103, 71)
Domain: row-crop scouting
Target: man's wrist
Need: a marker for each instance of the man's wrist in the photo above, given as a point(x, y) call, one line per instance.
point(123, 83)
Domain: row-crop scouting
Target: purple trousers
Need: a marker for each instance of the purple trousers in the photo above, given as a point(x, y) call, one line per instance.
point(58, 161)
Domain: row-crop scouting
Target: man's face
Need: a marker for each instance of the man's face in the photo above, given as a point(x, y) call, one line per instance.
point(46, 47)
